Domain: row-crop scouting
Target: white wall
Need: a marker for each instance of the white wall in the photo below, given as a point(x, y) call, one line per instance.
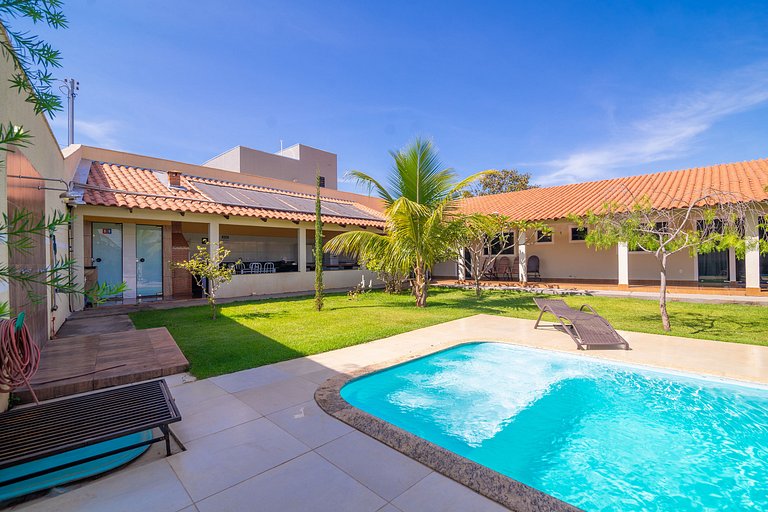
point(287, 282)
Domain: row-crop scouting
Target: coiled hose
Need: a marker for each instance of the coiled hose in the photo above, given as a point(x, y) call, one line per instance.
point(19, 356)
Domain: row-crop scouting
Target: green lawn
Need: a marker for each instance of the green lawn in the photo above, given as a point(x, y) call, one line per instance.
point(255, 333)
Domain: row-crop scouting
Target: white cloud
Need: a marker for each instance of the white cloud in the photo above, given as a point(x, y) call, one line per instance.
point(668, 132)
point(91, 132)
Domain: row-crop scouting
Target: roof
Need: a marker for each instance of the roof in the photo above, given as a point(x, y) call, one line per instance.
point(743, 181)
point(110, 184)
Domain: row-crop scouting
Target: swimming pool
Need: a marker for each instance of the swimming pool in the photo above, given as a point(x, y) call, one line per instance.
point(598, 435)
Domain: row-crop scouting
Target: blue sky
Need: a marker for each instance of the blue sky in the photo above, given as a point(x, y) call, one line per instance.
point(568, 91)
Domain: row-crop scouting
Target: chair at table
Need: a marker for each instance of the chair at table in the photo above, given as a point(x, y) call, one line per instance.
point(240, 268)
point(269, 268)
point(256, 268)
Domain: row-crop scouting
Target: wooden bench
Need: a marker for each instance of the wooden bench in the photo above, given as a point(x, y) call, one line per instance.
point(33, 433)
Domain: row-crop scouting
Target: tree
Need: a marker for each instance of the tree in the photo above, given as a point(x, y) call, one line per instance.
point(421, 227)
point(207, 268)
point(388, 271)
point(318, 245)
point(711, 221)
point(499, 182)
point(488, 236)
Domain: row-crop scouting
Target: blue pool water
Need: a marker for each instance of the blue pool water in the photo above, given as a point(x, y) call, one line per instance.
point(600, 436)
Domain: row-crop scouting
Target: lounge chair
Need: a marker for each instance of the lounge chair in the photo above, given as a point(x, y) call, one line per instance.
point(53, 428)
point(585, 328)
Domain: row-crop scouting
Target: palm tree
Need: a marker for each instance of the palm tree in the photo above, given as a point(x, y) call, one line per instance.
point(421, 230)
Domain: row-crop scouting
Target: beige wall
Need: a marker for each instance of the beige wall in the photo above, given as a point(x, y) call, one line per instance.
point(566, 259)
point(297, 163)
point(287, 282)
point(45, 156)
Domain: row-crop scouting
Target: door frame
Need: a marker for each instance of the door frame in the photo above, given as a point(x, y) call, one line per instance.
point(162, 248)
point(120, 295)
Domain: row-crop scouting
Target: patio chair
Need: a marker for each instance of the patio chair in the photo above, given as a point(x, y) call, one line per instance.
point(256, 268)
point(514, 270)
point(587, 329)
point(240, 268)
point(502, 268)
point(532, 268)
point(269, 268)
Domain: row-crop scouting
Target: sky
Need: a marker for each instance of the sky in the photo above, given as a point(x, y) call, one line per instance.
point(566, 90)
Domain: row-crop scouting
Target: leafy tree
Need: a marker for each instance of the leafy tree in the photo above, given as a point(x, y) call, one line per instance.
point(488, 236)
point(711, 221)
point(421, 225)
point(499, 182)
point(318, 246)
point(32, 57)
point(206, 267)
point(389, 272)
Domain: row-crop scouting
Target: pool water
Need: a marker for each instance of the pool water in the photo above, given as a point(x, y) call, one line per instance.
point(598, 435)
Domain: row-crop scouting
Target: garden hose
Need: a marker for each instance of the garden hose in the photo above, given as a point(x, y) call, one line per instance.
point(19, 355)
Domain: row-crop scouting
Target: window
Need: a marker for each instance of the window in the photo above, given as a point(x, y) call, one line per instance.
point(508, 243)
point(543, 238)
point(322, 181)
point(578, 234)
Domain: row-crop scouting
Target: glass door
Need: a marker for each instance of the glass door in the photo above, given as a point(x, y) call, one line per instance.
point(107, 252)
point(149, 260)
point(713, 267)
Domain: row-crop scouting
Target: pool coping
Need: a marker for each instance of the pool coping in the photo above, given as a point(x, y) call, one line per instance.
point(500, 488)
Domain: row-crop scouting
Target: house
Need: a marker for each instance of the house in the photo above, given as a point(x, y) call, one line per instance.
point(136, 215)
point(565, 258)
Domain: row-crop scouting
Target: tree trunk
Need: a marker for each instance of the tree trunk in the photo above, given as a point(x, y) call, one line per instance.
point(478, 289)
point(420, 287)
point(663, 294)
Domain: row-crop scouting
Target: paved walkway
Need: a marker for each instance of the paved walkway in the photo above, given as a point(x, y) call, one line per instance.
point(710, 297)
point(256, 440)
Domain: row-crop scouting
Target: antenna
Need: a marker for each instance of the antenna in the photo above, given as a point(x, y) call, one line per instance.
point(71, 88)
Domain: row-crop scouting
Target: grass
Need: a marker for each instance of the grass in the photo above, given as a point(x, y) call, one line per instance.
point(255, 333)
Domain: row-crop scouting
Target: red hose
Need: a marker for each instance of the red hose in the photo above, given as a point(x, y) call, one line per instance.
point(19, 356)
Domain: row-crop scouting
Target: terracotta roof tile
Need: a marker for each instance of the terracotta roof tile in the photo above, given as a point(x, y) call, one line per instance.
point(111, 184)
point(746, 181)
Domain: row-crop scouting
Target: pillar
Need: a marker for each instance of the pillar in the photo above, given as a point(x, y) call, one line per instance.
point(301, 256)
point(623, 253)
point(732, 265)
point(77, 253)
point(522, 259)
point(213, 236)
point(129, 260)
point(752, 256)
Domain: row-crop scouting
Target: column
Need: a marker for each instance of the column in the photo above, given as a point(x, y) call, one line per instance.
point(301, 256)
point(129, 260)
point(732, 265)
point(461, 270)
point(213, 236)
point(752, 257)
point(78, 255)
point(521, 255)
point(623, 266)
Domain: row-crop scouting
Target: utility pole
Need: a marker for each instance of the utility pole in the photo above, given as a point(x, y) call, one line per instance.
point(71, 87)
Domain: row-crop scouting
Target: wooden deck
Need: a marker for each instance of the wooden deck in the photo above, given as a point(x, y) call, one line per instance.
point(84, 363)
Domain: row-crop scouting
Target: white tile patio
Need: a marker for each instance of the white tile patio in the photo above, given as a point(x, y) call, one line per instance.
point(256, 440)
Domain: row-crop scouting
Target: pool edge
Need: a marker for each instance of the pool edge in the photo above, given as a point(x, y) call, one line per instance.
point(493, 485)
